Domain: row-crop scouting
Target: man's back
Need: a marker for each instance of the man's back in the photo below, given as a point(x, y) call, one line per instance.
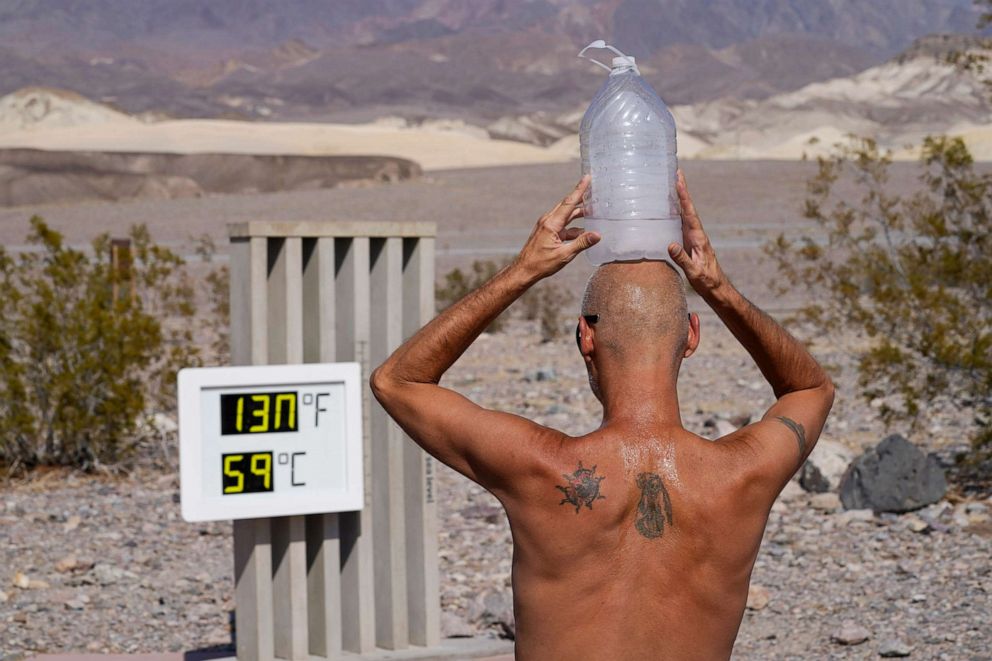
point(632, 544)
point(635, 541)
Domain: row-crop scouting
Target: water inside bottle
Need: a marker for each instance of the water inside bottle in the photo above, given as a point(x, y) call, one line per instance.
point(628, 145)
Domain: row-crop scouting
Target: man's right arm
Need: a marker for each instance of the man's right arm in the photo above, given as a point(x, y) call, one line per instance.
point(785, 436)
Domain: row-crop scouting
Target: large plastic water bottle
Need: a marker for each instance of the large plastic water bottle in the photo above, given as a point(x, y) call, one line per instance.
point(627, 140)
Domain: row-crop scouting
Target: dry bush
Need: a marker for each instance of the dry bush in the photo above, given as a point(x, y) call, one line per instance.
point(87, 348)
point(217, 322)
point(546, 303)
point(458, 284)
point(912, 274)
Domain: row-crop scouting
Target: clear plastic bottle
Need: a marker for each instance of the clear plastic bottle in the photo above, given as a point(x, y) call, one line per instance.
point(627, 140)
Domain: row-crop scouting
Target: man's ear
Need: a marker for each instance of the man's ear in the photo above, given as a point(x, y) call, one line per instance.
point(693, 340)
point(586, 339)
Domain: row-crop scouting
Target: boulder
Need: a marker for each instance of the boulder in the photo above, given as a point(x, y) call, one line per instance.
point(455, 626)
point(757, 597)
point(894, 476)
point(893, 648)
point(825, 502)
point(850, 633)
point(825, 466)
point(495, 609)
point(719, 426)
point(812, 480)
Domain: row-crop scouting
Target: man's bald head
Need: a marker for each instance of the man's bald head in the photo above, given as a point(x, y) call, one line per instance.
point(643, 315)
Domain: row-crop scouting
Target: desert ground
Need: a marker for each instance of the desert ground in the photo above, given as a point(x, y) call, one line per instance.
point(140, 579)
point(481, 213)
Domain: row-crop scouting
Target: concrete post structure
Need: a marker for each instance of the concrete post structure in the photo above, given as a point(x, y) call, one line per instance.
point(324, 584)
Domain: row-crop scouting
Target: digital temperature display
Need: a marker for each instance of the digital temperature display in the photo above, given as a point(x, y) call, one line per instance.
point(247, 473)
point(270, 440)
point(258, 413)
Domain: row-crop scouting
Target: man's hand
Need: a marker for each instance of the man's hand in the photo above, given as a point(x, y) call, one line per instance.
point(779, 443)
point(697, 259)
point(546, 251)
point(492, 448)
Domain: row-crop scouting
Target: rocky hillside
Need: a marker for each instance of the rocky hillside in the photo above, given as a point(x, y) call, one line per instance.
point(40, 108)
point(644, 26)
point(898, 102)
point(31, 177)
point(355, 59)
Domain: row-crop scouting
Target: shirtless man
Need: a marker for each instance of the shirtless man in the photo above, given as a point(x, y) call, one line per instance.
point(637, 540)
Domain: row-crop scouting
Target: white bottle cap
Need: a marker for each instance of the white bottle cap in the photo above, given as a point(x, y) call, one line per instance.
point(620, 62)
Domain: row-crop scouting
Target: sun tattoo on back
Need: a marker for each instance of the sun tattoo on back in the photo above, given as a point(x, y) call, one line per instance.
point(581, 488)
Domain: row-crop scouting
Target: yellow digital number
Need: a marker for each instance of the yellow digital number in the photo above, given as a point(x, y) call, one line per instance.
point(262, 413)
point(291, 398)
point(239, 424)
point(265, 472)
point(236, 474)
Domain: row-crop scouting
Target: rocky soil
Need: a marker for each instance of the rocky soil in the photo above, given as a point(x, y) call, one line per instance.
point(107, 565)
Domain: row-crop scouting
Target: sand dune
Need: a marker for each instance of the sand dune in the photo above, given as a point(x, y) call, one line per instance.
point(897, 103)
point(53, 121)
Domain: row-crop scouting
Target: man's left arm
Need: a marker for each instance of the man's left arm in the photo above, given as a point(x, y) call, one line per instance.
point(481, 444)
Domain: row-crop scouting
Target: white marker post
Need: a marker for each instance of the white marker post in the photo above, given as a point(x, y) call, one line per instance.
point(314, 577)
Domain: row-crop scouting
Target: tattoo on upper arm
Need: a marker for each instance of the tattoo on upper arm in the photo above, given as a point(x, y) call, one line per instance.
point(798, 430)
point(651, 517)
point(581, 488)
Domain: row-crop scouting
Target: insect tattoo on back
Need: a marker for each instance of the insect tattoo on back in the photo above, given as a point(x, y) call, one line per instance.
point(655, 506)
point(581, 487)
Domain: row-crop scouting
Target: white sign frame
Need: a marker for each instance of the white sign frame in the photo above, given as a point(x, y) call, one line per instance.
point(196, 507)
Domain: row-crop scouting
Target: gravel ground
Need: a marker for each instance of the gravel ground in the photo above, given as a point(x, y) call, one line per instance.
point(107, 565)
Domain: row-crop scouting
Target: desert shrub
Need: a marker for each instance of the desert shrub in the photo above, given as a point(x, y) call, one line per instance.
point(546, 303)
point(912, 273)
point(217, 322)
point(87, 347)
point(976, 59)
point(457, 284)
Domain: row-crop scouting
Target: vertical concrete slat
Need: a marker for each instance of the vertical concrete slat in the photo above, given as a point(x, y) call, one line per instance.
point(252, 541)
point(293, 292)
point(289, 578)
point(392, 626)
point(352, 341)
point(322, 530)
point(289, 588)
point(319, 301)
point(324, 585)
point(253, 590)
point(240, 301)
point(423, 591)
point(275, 289)
point(259, 301)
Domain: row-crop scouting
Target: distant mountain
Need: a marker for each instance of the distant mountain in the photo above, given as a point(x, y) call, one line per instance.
point(898, 103)
point(642, 26)
point(883, 27)
point(477, 59)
